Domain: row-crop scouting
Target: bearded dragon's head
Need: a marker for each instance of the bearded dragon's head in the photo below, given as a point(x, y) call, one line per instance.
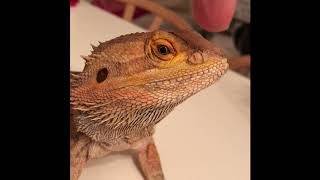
point(173, 64)
point(145, 71)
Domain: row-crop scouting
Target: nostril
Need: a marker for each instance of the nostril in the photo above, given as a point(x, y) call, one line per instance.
point(224, 60)
point(196, 58)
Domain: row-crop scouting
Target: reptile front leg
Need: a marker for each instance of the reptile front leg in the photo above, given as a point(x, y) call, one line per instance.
point(78, 155)
point(149, 161)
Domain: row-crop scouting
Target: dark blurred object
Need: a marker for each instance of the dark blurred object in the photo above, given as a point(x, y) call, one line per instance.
point(240, 27)
point(73, 2)
point(240, 33)
point(207, 35)
point(242, 39)
point(240, 62)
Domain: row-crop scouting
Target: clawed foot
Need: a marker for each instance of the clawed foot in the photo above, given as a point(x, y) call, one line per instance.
point(78, 156)
point(149, 162)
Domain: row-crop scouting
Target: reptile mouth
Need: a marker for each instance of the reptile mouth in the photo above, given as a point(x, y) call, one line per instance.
point(211, 70)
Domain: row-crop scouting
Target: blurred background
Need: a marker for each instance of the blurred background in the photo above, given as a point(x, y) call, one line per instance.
point(235, 41)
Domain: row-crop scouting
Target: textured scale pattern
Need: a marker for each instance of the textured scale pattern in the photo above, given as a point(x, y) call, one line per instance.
point(142, 86)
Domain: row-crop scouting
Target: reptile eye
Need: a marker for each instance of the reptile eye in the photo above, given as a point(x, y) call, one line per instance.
point(164, 50)
point(102, 75)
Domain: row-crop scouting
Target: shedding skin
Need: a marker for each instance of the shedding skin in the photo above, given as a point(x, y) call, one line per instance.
point(131, 83)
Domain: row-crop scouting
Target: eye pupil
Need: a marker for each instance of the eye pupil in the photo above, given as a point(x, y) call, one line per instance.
point(102, 75)
point(164, 50)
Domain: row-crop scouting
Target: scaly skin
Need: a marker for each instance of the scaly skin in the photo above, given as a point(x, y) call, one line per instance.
point(128, 85)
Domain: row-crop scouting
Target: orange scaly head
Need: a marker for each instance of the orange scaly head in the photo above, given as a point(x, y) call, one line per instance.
point(132, 82)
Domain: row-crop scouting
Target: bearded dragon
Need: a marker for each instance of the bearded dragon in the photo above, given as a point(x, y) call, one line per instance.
point(128, 85)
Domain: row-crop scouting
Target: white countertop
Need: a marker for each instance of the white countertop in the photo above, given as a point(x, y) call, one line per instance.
point(205, 138)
